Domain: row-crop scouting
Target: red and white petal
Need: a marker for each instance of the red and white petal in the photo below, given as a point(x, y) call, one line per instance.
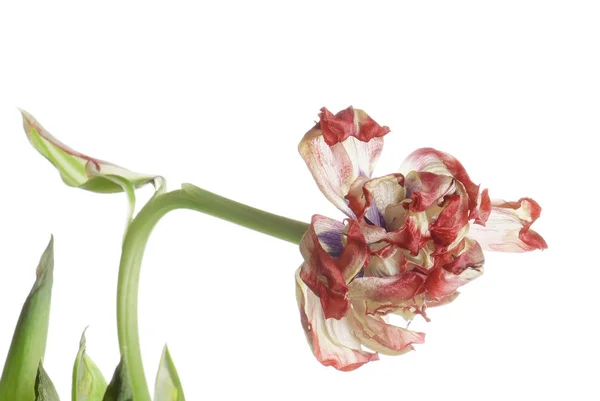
point(385, 260)
point(508, 227)
point(452, 224)
point(460, 269)
point(383, 193)
point(424, 260)
point(356, 198)
point(328, 284)
point(482, 211)
point(332, 341)
point(468, 254)
point(390, 290)
point(355, 253)
point(339, 149)
point(442, 283)
point(413, 235)
point(331, 168)
point(319, 271)
point(328, 234)
point(390, 260)
point(425, 188)
point(382, 337)
point(333, 254)
point(347, 123)
point(434, 161)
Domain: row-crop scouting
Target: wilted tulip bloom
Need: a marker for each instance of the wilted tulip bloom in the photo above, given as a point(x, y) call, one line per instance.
point(410, 240)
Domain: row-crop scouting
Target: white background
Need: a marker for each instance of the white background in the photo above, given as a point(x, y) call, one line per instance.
point(219, 94)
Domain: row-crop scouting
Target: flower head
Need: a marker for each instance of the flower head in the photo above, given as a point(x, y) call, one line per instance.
point(409, 241)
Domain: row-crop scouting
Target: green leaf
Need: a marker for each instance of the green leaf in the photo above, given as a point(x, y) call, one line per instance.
point(44, 389)
point(168, 386)
point(79, 170)
point(82, 171)
point(88, 382)
point(119, 388)
point(29, 340)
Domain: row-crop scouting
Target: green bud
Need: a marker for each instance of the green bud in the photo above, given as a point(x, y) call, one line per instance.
point(168, 386)
point(88, 382)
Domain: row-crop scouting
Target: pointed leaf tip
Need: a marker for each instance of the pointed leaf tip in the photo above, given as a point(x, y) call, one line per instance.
point(28, 345)
point(88, 382)
point(44, 388)
point(168, 386)
point(46, 264)
point(119, 388)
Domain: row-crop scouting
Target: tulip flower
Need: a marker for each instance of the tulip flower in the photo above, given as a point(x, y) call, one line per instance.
point(409, 241)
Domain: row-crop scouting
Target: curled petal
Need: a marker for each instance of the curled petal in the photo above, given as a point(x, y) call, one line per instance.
point(413, 235)
point(442, 283)
point(324, 278)
point(328, 233)
point(462, 268)
point(425, 188)
point(508, 227)
point(339, 149)
point(372, 233)
point(389, 260)
point(329, 265)
point(393, 281)
point(382, 337)
point(348, 123)
point(424, 260)
point(332, 341)
point(353, 257)
point(385, 260)
point(452, 223)
point(434, 161)
point(468, 255)
point(391, 290)
point(483, 209)
point(383, 194)
point(357, 200)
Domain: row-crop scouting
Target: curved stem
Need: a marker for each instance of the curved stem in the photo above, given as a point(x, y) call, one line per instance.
point(134, 244)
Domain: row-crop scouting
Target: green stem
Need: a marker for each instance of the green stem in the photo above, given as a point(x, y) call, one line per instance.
point(134, 244)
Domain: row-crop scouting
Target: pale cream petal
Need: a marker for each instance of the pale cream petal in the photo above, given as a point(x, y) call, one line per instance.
point(508, 227)
point(332, 341)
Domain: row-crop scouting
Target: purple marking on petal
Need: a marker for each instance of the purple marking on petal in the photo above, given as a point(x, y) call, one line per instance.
point(351, 214)
point(332, 241)
point(374, 216)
